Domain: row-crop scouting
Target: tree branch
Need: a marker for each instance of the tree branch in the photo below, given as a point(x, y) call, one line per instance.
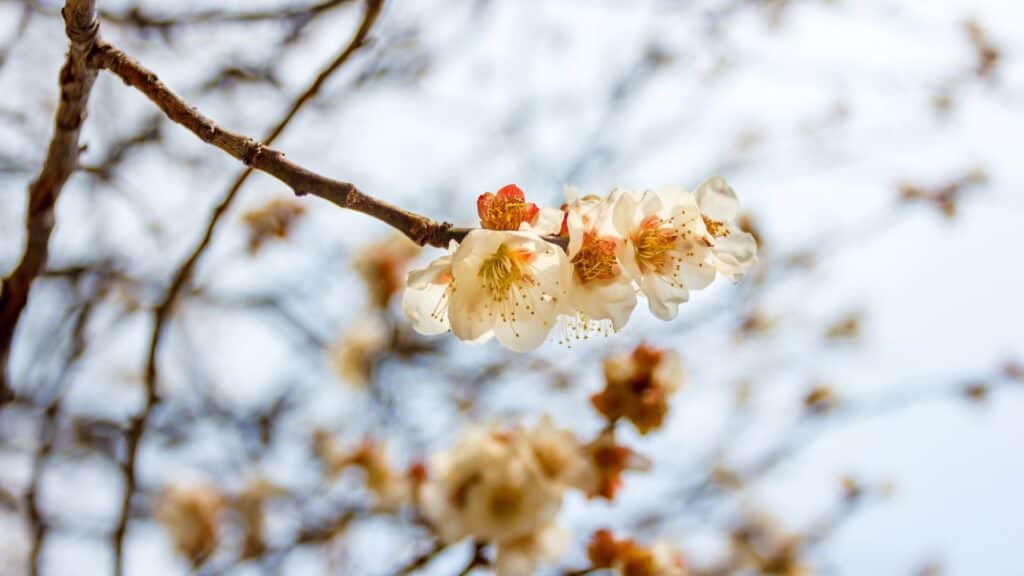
point(302, 181)
point(76, 80)
point(249, 150)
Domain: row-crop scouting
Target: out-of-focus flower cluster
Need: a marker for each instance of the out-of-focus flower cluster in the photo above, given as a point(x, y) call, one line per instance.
point(632, 559)
point(511, 281)
point(505, 486)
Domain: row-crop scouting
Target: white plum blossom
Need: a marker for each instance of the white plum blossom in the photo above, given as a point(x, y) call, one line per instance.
point(666, 246)
point(489, 487)
point(601, 291)
point(505, 487)
point(508, 283)
point(528, 267)
point(733, 250)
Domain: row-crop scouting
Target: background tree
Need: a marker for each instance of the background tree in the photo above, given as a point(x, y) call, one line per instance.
point(206, 373)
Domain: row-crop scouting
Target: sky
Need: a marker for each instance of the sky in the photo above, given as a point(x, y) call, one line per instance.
point(816, 119)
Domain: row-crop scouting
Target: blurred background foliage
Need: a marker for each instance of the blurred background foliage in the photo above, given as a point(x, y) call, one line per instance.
point(852, 407)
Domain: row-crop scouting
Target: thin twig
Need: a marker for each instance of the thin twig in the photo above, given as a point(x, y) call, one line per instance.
point(76, 80)
point(184, 273)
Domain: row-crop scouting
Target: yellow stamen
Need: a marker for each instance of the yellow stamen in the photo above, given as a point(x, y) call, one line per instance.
point(596, 259)
point(716, 228)
point(653, 243)
point(503, 271)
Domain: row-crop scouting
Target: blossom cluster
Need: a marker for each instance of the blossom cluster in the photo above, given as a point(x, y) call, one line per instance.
point(505, 487)
point(581, 266)
point(500, 486)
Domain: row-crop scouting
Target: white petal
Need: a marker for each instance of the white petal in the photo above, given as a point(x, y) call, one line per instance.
point(735, 253)
point(572, 193)
point(696, 276)
point(528, 329)
point(624, 211)
point(662, 298)
point(626, 254)
point(650, 203)
point(574, 222)
point(548, 222)
point(426, 308)
point(674, 199)
point(717, 200)
point(432, 274)
point(467, 311)
point(467, 307)
point(614, 301)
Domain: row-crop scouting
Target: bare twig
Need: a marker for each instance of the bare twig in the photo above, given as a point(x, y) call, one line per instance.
point(184, 273)
point(76, 80)
point(302, 181)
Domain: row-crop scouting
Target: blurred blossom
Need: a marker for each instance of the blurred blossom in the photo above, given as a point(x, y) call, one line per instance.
point(353, 355)
point(628, 558)
point(505, 487)
point(761, 545)
point(249, 505)
point(638, 385)
point(607, 461)
point(274, 220)
point(192, 516)
point(382, 266)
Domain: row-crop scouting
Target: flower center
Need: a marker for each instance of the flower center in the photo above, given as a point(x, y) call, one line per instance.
point(652, 244)
point(503, 271)
point(596, 259)
point(716, 228)
point(505, 501)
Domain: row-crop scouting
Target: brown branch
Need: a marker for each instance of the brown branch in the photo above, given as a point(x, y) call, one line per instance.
point(76, 80)
point(249, 150)
point(302, 181)
point(138, 18)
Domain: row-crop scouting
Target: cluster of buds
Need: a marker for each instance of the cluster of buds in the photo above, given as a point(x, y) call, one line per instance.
point(512, 280)
point(637, 386)
point(605, 551)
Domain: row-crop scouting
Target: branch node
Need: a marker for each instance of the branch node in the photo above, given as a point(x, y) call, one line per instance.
point(208, 132)
point(253, 151)
point(435, 234)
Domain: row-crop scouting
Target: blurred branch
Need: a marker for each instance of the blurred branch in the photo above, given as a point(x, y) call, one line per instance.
point(76, 80)
point(139, 18)
point(252, 150)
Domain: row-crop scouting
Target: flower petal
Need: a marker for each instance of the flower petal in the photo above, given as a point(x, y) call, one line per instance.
point(612, 301)
point(735, 253)
point(427, 308)
point(717, 200)
point(663, 299)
